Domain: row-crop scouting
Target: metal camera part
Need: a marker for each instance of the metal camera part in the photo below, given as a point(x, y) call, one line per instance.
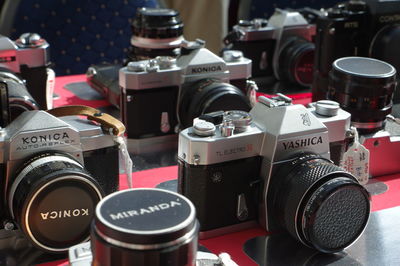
point(155, 32)
point(196, 82)
point(281, 47)
point(19, 99)
point(29, 58)
point(81, 255)
point(45, 160)
point(278, 171)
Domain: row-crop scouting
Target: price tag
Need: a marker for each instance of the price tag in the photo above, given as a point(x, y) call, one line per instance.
point(356, 160)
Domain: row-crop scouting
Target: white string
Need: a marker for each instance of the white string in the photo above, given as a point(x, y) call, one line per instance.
point(128, 165)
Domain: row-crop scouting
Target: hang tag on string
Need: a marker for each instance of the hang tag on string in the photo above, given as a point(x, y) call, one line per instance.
point(126, 159)
point(356, 159)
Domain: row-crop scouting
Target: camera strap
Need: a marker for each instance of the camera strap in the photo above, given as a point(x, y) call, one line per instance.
point(110, 123)
point(106, 120)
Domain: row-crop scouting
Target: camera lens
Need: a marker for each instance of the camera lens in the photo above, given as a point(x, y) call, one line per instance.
point(144, 227)
point(363, 87)
point(156, 32)
point(319, 203)
point(296, 62)
point(52, 199)
point(19, 99)
point(207, 96)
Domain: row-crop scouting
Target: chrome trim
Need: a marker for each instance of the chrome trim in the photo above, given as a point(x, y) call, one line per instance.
point(367, 125)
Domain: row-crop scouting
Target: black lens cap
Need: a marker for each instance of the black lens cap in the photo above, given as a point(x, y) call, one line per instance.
point(145, 218)
point(59, 213)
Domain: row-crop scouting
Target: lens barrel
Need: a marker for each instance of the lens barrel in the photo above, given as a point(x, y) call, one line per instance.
point(296, 62)
point(53, 199)
point(144, 227)
point(207, 96)
point(156, 32)
point(363, 87)
point(319, 203)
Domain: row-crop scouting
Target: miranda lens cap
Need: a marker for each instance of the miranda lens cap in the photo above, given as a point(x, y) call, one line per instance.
point(146, 218)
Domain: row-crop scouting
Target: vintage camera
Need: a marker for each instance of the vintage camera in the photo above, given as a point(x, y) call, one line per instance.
point(28, 57)
point(145, 226)
point(155, 32)
point(368, 28)
point(163, 94)
point(54, 171)
point(16, 97)
point(273, 164)
point(280, 48)
point(365, 87)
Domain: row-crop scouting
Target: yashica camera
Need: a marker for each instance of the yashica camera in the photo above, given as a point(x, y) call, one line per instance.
point(280, 48)
point(181, 89)
point(28, 57)
point(54, 171)
point(272, 164)
point(368, 28)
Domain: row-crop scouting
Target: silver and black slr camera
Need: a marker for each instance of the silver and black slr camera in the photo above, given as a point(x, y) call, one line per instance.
point(280, 48)
point(28, 59)
point(273, 164)
point(163, 94)
point(54, 171)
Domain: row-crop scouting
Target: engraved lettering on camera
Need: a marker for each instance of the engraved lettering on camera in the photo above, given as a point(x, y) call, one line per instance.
point(52, 215)
point(143, 211)
point(302, 143)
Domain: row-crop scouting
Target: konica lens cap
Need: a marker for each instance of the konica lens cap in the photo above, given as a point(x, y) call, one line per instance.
point(143, 219)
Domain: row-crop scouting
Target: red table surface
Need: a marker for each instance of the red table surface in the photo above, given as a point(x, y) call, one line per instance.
point(230, 243)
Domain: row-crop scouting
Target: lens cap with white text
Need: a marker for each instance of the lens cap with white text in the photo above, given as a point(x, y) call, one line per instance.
point(145, 217)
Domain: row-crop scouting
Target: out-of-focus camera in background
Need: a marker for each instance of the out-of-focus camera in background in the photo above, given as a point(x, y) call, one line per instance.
point(155, 32)
point(368, 28)
point(273, 165)
point(281, 48)
point(24, 64)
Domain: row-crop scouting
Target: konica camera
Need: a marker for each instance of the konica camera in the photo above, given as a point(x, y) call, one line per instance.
point(54, 171)
point(280, 48)
point(368, 28)
point(272, 164)
point(155, 32)
point(162, 94)
point(28, 58)
point(121, 226)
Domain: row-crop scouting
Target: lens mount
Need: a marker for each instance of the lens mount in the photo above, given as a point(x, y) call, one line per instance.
point(52, 199)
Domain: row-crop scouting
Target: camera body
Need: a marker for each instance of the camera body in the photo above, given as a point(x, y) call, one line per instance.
point(366, 28)
point(180, 90)
point(28, 57)
point(280, 48)
point(54, 171)
point(254, 166)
